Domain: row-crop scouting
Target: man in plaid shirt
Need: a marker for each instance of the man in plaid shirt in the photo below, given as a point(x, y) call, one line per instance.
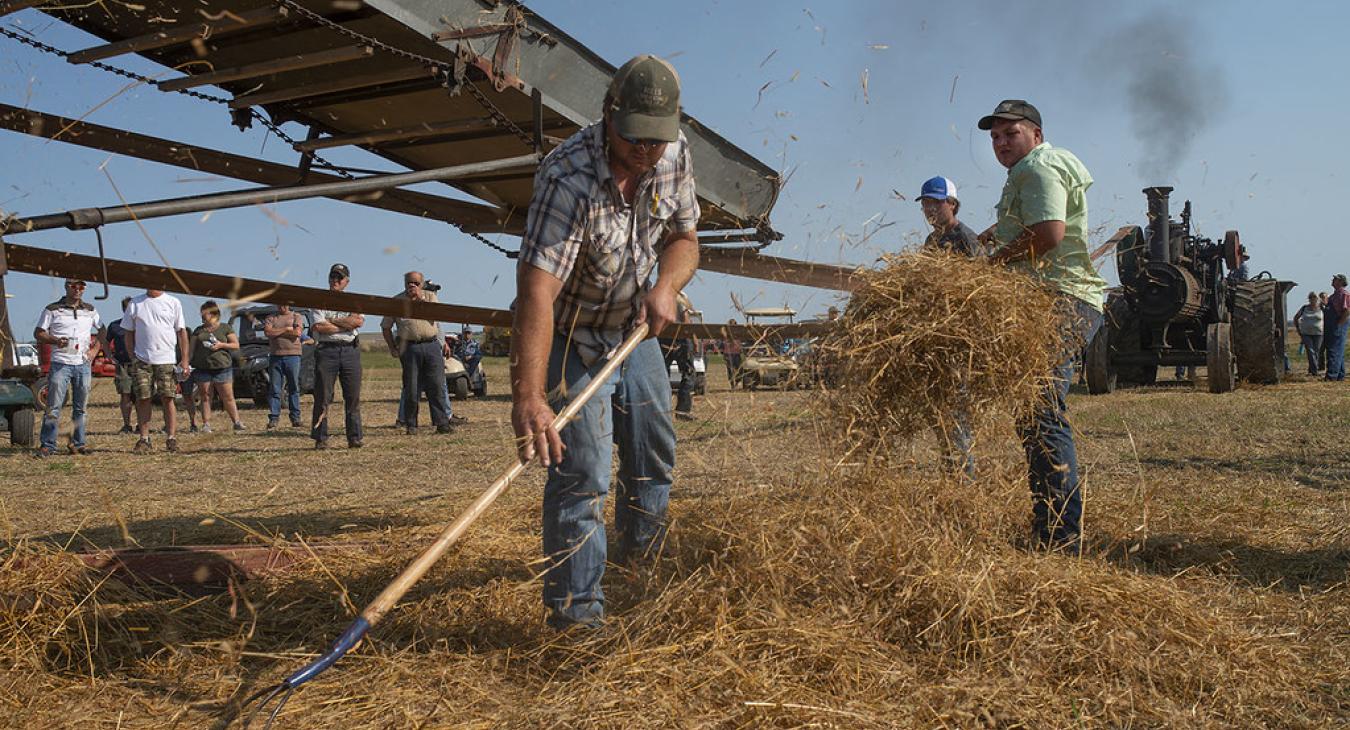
point(611, 204)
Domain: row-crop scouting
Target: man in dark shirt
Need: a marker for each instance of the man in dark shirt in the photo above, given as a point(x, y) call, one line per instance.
point(940, 207)
point(122, 359)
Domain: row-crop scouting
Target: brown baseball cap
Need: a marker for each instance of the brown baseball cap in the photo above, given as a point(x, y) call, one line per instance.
point(1011, 109)
point(645, 99)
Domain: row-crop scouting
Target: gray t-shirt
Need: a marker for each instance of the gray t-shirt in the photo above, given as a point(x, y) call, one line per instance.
point(960, 239)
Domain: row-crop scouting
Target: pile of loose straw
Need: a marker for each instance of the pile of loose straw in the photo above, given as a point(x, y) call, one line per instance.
point(871, 599)
point(929, 335)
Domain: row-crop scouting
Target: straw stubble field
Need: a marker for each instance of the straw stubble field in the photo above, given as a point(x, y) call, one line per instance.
point(795, 591)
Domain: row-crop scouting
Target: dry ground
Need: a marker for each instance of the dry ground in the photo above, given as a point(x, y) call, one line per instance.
point(1236, 503)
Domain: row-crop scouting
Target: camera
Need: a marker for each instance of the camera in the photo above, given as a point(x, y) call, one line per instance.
point(431, 286)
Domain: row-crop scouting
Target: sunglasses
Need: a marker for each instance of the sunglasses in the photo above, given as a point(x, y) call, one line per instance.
point(643, 142)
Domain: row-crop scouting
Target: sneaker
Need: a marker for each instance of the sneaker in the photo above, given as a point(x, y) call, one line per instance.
point(320, 445)
point(171, 445)
point(126, 428)
point(458, 420)
point(142, 447)
point(239, 426)
point(206, 428)
point(43, 452)
point(684, 416)
point(272, 424)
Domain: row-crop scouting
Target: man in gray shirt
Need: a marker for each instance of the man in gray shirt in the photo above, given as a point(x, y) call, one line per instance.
point(337, 359)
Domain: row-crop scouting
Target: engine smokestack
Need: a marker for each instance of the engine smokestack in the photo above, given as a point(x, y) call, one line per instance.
point(1159, 224)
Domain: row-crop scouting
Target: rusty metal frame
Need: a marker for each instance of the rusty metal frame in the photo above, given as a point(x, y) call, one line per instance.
point(183, 34)
point(469, 216)
point(266, 68)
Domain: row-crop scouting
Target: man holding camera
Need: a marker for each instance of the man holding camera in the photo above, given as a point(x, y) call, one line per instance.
point(421, 349)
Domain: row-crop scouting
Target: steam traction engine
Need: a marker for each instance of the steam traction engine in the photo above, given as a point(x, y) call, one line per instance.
point(1184, 301)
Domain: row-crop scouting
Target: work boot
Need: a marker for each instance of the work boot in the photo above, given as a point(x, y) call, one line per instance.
point(126, 428)
point(295, 423)
point(79, 450)
point(445, 428)
point(142, 447)
point(320, 445)
point(355, 444)
point(411, 430)
point(272, 424)
point(458, 420)
point(171, 445)
point(42, 452)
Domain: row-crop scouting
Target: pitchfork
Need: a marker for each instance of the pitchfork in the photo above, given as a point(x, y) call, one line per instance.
point(382, 604)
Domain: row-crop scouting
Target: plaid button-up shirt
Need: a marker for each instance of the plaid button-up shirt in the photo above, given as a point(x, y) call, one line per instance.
point(580, 230)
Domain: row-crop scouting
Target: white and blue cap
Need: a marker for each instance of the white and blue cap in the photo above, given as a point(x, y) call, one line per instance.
point(938, 188)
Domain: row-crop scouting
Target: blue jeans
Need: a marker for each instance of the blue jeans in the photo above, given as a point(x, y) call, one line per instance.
point(1312, 347)
point(1047, 437)
point(403, 407)
point(62, 378)
point(285, 367)
point(1335, 344)
point(632, 410)
point(424, 372)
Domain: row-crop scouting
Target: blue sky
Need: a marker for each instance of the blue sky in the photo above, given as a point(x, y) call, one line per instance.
point(1236, 104)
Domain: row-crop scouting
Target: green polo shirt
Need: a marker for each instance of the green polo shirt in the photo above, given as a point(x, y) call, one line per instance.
point(1051, 185)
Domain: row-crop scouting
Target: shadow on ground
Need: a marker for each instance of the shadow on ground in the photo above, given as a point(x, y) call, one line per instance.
point(1288, 570)
point(1330, 472)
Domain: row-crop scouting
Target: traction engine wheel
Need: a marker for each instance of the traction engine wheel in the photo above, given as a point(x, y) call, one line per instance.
point(1219, 362)
point(1257, 335)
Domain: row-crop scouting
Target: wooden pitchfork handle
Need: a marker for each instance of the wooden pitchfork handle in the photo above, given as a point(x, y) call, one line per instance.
point(419, 567)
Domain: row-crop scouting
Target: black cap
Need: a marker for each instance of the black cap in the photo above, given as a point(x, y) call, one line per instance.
point(1011, 109)
point(339, 271)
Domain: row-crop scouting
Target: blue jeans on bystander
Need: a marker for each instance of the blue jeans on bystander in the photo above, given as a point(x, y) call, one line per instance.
point(63, 378)
point(283, 368)
point(1334, 341)
point(1047, 437)
point(631, 411)
point(424, 373)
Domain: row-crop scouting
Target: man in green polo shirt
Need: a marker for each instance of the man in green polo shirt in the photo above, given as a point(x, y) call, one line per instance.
point(1042, 229)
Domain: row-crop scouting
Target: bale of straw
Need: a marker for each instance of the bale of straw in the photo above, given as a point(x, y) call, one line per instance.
point(931, 334)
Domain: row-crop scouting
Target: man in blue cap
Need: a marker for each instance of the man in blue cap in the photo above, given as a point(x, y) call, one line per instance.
point(940, 206)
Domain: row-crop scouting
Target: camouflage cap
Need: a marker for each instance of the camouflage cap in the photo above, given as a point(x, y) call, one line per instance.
point(1011, 109)
point(645, 99)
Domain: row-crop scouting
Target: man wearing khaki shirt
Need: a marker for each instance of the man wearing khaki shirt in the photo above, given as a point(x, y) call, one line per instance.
point(421, 349)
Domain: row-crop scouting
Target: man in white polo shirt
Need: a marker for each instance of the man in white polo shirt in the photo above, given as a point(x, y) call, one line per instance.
point(157, 337)
point(68, 324)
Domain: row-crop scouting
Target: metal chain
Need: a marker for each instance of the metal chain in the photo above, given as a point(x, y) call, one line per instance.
point(255, 114)
point(498, 116)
